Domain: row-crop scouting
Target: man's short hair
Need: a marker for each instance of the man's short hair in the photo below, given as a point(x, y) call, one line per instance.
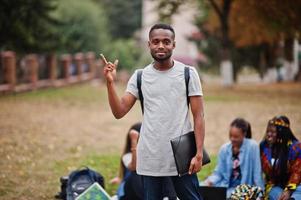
point(162, 26)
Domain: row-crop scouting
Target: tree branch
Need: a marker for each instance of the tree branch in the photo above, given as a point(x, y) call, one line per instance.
point(216, 8)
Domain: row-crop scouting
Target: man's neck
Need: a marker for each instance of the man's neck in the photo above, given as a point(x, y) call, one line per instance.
point(164, 65)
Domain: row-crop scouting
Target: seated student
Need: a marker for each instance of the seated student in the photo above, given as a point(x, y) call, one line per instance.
point(281, 160)
point(238, 160)
point(130, 183)
point(131, 187)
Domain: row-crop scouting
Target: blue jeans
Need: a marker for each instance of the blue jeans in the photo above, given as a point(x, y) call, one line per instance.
point(276, 192)
point(186, 187)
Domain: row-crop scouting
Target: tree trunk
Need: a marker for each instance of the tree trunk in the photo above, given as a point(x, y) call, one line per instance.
point(226, 68)
point(297, 54)
point(298, 76)
point(262, 63)
point(289, 69)
point(298, 61)
point(270, 55)
point(226, 65)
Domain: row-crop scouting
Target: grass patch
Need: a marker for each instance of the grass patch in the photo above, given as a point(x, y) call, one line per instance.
point(220, 98)
point(79, 114)
point(84, 93)
point(207, 169)
point(108, 166)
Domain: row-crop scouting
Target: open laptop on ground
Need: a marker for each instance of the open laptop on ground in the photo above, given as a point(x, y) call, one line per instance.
point(213, 193)
point(95, 191)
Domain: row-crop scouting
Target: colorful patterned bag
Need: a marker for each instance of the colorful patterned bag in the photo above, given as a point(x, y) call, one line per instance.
point(247, 192)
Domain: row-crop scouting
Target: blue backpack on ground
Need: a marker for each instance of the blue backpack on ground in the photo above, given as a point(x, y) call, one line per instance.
point(80, 180)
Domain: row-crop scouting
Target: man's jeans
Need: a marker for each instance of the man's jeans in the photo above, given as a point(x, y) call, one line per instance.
point(186, 187)
point(276, 192)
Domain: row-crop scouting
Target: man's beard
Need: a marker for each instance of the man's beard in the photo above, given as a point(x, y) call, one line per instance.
point(158, 59)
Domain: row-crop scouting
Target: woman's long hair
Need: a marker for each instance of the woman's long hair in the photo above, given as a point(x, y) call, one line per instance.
point(127, 146)
point(280, 149)
point(243, 125)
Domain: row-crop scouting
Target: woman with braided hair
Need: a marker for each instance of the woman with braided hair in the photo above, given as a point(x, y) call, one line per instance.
point(280, 153)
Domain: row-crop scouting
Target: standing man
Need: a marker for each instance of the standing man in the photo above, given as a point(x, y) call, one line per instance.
point(166, 115)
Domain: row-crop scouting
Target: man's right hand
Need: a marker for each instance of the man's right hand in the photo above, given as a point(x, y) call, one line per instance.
point(109, 69)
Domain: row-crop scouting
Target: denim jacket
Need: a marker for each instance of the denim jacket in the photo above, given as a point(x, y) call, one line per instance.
point(250, 165)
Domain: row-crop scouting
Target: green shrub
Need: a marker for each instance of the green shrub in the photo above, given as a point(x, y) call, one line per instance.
point(83, 26)
point(129, 54)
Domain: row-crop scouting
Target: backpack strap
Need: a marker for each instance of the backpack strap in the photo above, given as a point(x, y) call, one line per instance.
point(187, 77)
point(92, 175)
point(139, 81)
point(96, 177)
point(69, 184)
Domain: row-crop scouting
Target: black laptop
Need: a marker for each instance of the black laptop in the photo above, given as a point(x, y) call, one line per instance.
point(213, 193)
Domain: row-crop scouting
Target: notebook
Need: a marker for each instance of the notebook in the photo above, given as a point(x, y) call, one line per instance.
point(216, 193)
point(184, 149)
point(95, 191)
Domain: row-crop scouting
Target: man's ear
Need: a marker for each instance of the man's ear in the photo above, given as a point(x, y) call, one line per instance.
point(174, 44)
point(148, 43)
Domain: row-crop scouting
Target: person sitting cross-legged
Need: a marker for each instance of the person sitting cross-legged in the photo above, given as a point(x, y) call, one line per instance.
point(238, 160)
point(281, 160)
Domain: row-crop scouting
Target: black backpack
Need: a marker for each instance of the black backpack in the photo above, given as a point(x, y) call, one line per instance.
point(77, 182)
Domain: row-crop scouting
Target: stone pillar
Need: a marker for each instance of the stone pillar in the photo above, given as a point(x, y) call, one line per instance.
point(9, 66)
point(79, 59)
point(51, 65)
point(32, 65)
point(66, 62)
point(90, 60)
